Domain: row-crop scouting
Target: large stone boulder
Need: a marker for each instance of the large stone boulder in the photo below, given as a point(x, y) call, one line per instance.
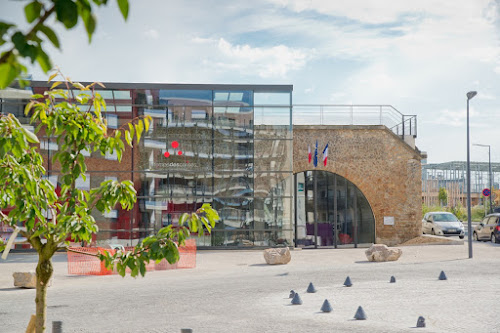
point(277, 256)
point(380, 252)
point(26, 280)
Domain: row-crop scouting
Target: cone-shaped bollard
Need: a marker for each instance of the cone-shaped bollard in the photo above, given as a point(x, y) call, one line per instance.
point(292, 293)
point(442, 276)
point(326, 307)
point(360, 314)
point(310, 288)
point(393, 279)
point(421, 322)
point(296, 299)
point(348, 282)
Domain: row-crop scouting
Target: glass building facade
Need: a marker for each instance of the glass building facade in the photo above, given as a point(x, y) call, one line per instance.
point(227, 145)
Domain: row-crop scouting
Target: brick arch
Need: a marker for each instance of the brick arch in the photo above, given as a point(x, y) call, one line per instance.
point(383, 167)
point(333, 173)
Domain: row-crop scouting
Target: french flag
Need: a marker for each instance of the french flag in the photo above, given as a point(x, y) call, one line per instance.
point(309, 153)
point(315, 161)
point(325, 154)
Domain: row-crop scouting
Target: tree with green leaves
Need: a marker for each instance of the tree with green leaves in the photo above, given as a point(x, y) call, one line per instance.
point(78, 126)
point(18, 45)
point(443, 196)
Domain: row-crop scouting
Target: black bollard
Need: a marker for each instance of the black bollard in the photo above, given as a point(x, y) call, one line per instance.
point(421, 322)
point(442, 276)
point(326, 307)
point(360, 314)
point(57, 327)
point(393, 279)
point(348, 282)
point(296, 299)
point(310, 288)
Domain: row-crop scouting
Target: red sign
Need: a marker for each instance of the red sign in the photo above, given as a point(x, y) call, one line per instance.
point(486, 192)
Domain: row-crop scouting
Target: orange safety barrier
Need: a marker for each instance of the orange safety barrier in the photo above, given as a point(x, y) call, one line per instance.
point(187, 254)
point(82, 264)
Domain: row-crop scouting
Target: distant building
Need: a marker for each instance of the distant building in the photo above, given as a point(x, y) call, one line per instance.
point(453, 177)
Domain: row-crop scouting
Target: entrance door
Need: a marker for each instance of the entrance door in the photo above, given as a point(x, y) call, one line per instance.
point(331, 212)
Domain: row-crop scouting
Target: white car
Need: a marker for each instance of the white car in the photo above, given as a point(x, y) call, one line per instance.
point(442, 224)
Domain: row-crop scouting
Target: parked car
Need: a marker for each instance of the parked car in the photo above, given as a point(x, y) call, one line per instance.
point(488, 229)
point(442, 224)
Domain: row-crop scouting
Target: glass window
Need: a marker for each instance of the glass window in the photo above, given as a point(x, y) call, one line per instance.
point(242, 98)
point(185, 97)
point(272, 98)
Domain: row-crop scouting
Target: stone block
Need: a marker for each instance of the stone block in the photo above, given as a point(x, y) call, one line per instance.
point(277, 256)
point(26, 280)
point(380, 252)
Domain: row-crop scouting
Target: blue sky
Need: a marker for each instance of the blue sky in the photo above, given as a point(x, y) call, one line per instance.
point(419, 56)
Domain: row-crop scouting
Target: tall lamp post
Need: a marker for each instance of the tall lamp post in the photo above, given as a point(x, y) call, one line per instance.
point(489, 171)
point(470, 95)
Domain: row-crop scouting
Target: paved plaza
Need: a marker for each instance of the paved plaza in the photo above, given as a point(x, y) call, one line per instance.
point(235, 291)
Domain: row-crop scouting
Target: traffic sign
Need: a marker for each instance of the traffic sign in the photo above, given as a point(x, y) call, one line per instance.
point(486, 192)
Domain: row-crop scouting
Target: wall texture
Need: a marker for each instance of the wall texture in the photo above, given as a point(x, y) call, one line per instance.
point(379, 163)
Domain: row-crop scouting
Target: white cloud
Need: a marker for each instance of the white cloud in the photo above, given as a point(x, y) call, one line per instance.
point(266, 62)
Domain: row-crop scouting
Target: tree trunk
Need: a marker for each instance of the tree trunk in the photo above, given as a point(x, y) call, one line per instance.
point(44, 271)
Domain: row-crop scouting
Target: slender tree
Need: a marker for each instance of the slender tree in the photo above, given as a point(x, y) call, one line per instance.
point(50, 217)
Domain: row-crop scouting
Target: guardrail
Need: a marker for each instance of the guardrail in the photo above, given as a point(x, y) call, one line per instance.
point(343, 114)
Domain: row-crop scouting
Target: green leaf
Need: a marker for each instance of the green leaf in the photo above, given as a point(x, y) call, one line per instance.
point(7, 74)
point(123, 4)
point(55, 84)
point(128, 138)
point(32, 11)
point(51, 35)
point(21, 44)
point(184, 217)
point(44, 61)
point(139, 127)
point(89, 21)
point(30, 136)
point(66, 12)
point(50, 79)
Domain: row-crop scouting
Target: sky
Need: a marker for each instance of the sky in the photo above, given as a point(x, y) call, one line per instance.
point(421, 57)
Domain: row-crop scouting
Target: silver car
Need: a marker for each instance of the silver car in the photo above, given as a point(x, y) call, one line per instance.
point(442, 224)
point(488, 229)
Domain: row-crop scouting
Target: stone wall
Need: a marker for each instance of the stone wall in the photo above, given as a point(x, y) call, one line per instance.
point(379, 163)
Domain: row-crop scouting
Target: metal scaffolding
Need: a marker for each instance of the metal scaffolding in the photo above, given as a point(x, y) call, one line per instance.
point(453, 177)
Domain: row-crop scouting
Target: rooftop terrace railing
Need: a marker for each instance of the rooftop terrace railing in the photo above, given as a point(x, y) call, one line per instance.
point(386, 115)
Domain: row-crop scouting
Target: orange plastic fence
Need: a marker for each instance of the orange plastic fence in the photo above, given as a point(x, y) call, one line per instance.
point(187, 254)
point(82, 264)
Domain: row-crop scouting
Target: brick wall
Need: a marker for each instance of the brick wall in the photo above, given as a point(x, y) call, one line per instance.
point(379, 163)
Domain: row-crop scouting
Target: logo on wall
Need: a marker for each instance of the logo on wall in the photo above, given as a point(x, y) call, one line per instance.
point(175, 145)
point(315, 158)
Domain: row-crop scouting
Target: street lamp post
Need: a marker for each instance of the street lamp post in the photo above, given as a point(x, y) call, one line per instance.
point(489, 172)
point(470, 95)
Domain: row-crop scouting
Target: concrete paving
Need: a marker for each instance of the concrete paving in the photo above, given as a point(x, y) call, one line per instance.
point(235, 291)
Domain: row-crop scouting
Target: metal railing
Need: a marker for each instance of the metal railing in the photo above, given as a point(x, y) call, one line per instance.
point(386, 115)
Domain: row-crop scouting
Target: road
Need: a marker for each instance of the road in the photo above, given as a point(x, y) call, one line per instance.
point(235, 291)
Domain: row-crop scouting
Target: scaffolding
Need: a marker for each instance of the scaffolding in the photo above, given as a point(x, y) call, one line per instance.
point(453, 177)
